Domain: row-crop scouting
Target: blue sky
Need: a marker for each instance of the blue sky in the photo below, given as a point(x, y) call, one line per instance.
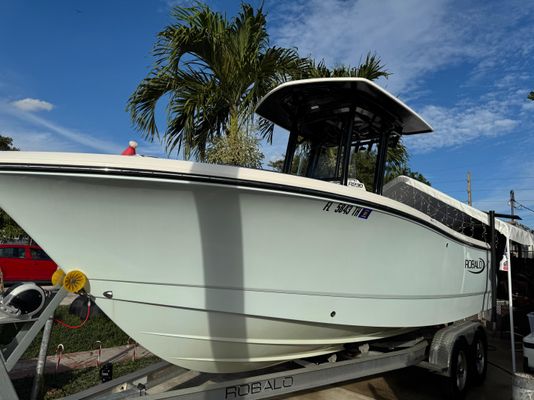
point(67, 69)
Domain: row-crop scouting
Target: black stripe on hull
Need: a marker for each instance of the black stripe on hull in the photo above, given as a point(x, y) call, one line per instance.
point(140, 173)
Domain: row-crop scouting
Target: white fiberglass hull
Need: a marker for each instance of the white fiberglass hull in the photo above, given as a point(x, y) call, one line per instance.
point(223, 269)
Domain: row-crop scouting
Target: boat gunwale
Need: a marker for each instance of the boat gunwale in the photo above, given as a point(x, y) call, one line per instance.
point(129, 172)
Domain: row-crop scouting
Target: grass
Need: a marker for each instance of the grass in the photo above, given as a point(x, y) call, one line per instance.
point(74, 340)
point(71, 382)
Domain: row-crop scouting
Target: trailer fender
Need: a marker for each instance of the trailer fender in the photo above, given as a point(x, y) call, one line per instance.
point(443, 342)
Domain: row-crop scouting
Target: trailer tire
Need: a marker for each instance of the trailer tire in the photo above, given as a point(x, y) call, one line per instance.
point(456, 383)
point(478, 365)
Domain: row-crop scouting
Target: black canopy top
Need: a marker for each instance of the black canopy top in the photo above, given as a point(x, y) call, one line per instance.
point(321, 107)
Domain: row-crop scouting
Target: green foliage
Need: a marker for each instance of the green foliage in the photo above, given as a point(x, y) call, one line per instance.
point(6, 144)
point(71, 382)
point(82, 339)
point(531, 96)
point(211, 70)
point(277, 165)
point(241, 150)
point(74, 340)
point(371, 68)
point(8, 228)
point(363, 168)
point(362, 165)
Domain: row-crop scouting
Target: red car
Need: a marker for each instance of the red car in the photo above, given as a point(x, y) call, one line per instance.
point(21, 262)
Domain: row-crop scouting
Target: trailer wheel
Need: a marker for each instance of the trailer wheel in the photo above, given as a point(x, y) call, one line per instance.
point(479, 359)
point(456, 383)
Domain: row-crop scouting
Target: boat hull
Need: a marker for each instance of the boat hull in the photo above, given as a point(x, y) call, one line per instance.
point(226, 276)
point(212, 341)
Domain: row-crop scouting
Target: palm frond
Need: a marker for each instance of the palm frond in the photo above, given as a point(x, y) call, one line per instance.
point(142, 103)
point(372, 68)
point(196, 112)
point(266, 129)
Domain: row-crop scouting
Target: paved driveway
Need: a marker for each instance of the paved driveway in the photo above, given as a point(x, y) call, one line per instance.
point(418, 384)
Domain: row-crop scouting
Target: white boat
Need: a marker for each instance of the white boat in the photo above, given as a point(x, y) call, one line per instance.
point(224, 269)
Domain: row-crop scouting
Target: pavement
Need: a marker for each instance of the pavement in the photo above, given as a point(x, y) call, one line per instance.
point(416, 383)
point(413, 383)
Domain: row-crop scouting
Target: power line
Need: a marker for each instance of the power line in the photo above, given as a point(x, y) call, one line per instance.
point(515, 177)
point(475, 190)
point(490, 201)
point(522, 206)
point(493, 201)
point(484, 184)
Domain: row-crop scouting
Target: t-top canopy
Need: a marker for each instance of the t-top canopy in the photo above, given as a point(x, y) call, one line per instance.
point(325, 103)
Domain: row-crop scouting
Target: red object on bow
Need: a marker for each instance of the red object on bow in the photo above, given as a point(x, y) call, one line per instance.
point(130, 150)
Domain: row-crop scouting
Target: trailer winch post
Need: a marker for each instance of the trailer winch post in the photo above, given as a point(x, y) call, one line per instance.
point(511, 304)
point(38, 380)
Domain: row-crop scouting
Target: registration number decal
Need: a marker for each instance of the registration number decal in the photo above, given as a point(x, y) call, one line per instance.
point(347, 209)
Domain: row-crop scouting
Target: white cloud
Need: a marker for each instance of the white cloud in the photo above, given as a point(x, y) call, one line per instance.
point(501, 109)
point(51, 136)
point(455, 126)
point(34, 133)
point(31, 105)
point(485, 43)
point(86, 140)
point(412, 37)
point(153, 149)
point(38, 140)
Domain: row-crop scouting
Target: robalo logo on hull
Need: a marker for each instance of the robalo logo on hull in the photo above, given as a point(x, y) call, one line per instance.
point(475, 266)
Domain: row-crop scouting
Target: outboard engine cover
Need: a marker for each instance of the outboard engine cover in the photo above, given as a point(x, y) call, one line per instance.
point(23, 299)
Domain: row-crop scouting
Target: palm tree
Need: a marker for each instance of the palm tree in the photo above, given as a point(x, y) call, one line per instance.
point(213, 72)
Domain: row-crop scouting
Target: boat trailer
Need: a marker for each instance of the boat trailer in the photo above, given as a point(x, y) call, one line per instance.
point(453, 351)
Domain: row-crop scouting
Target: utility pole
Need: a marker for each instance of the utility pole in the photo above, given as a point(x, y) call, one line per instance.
point(469, 199)
point(512, 205)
